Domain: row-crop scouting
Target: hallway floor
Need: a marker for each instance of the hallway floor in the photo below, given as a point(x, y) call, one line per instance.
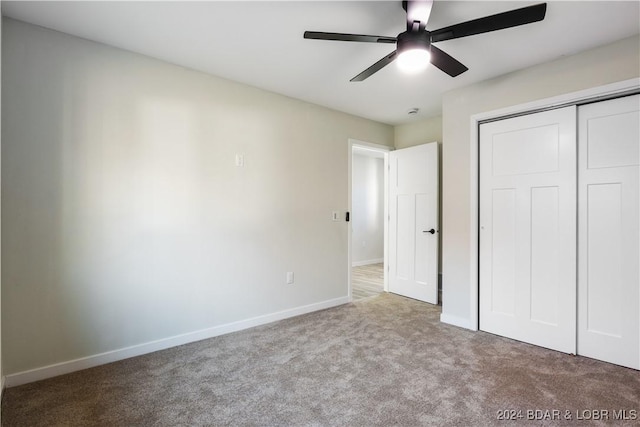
point(367, 281)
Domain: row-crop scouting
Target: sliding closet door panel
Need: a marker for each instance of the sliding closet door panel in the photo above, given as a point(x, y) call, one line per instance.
point(609, 233)
point(528, 228)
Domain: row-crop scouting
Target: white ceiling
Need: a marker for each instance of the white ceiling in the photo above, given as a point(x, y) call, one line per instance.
point(260, 43)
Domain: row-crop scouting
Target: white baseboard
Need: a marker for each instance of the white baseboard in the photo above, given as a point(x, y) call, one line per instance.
point(461, 322)
point(54, 370)
point(367, 262)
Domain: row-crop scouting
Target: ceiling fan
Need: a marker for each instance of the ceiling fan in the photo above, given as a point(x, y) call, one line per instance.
point(414, 48)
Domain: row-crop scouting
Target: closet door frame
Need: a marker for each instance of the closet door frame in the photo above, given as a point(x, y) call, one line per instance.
point(609, 91)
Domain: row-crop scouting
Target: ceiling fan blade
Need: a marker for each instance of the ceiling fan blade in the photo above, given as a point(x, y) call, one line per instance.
point(375, 67)
point(417, 10)
point(500, 21)
point(446, 62)
point(318, 35)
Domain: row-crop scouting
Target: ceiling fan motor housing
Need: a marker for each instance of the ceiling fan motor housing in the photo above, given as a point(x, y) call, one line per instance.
point(413, 40)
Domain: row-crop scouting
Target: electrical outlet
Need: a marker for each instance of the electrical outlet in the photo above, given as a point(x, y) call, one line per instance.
point(289, 277)
point(240, 160)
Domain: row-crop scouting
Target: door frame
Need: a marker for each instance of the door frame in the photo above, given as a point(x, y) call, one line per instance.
point(599, 93)
point(351, 143)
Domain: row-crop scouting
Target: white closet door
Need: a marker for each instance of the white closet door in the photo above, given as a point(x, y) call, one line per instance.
point(609, 247)
point(528, 228)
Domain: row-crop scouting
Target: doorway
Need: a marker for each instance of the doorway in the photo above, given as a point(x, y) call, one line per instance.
point(368, 210)
point(405, 209)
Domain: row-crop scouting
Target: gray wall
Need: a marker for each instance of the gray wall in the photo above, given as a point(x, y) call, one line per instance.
point(611, 63)
point(126, 219)
point(367, 197)
point(420, 132)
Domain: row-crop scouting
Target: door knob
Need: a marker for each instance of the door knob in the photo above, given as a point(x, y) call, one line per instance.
point(432, 231)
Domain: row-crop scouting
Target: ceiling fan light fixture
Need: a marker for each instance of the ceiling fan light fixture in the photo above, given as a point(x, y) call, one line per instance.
point(413, 61)
point(414, 53)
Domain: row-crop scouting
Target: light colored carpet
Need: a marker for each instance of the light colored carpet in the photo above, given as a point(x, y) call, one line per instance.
point(383, 361)
point(367, 281)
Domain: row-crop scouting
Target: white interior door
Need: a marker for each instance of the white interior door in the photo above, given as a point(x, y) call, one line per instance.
point(528, 228)
point(609, 232)
point(413, 222)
